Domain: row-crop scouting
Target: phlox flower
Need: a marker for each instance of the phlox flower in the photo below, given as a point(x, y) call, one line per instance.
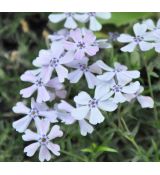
point(119, 90)
point(140, 39)
point(70, 19)
point(82, 43)
point(65, 115)
point(120, 72)
point(45, 90)
point(53, 59)
point(145, 101)
point(82, 68)
point(89, 108)
point(92, 18)
point(36, 111)
point(103, 43)
point(43, 140)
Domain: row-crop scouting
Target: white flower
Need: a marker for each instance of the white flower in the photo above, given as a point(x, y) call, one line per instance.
point(43, 140)
point(145, 101)
point(140, 39)
point(53, 59)
point(82, 68)
point(45, 90)
point(120, 72)
point(120, 90)
point(89, 107)
point(66, 116)
point(36, 111)
point(69, 18)
point(94, 24)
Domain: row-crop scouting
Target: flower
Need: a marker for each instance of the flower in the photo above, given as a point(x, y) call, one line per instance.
point(82, 68)
point(140, 39)
point(83, 42)
point(145, 101)
point(36, 111)
point(53, 59)
point(46, 91)
point(120, 72)
point(70, 18)
point(66, 116)
point(89, 107)
point(94, 24)
point(43, 140)
point(119, 90)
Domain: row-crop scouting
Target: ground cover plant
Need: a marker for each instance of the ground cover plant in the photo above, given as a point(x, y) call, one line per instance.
point(83, 86)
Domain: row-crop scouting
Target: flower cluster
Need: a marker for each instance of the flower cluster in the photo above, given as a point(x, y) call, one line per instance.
point(70, 58)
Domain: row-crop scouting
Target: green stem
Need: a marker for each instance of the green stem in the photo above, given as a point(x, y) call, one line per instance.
point(150, 85)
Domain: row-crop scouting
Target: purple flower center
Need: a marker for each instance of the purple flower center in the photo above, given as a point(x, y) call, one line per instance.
point(138, 39)
point(69, 14)
point(34, 113)
point(39, 82)
point(54, 62)
point(43, 140)
point(93, 103)
point(117, 88)
point(92, 14)
point(81, 45)
point(83, 67)
point(118, 69)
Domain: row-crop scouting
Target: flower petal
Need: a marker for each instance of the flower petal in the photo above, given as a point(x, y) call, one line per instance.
point(85, 127)
point(54, 148)
point(27, 92)
point(129, 47)
point(94, 25)
point(125, 38)
point(144, 46)
point(119, 98)
point(91, 79)
point(145, 101)
point(104, 66)
point(70, 23)
point(103, 15)
point(55, 18)
point(49, 115)
point(107, 76)
point(62, 73)
point(21, 108)
point(44, 154)
point(30, 135)
point(95, 116)
point(82, 98)
point(107, 105)
point(75, 76)
point(22, 124)
point(91, 50)
point(132, 88)
point(55, 132)
point(31, 149)
point(139, 29)
point(42, 95)
point(80, 112)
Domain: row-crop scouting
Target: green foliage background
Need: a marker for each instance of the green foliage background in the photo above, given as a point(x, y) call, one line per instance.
point(128, 134)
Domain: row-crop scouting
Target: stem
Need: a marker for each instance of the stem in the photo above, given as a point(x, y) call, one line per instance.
point(150, 85)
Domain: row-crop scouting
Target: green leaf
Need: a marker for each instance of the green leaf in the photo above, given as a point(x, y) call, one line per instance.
point(106, 149)
point(122, 18)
